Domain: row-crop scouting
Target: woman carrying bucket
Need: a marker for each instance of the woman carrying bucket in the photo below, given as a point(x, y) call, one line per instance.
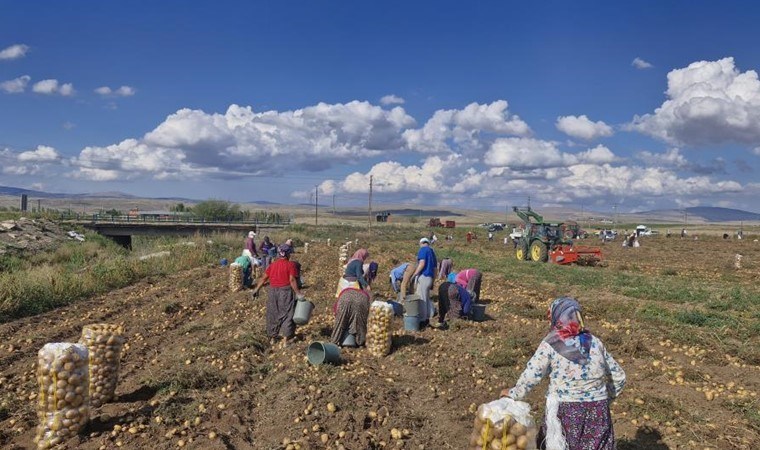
point(283, 292)
point(583, 380)
point(352, 311)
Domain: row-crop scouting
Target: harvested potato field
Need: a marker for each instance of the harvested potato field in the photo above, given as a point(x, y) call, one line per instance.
point(198, 372)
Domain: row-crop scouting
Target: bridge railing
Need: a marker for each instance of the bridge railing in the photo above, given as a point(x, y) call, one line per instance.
point(166, 218)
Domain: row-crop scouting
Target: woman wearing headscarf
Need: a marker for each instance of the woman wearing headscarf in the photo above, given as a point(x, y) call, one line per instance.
point(453, 299)
point(266, 249)
point(353, 276)
point(352, 310)
point(583, 380)
point(250, 244)
point(282, 294)
point(470, 279)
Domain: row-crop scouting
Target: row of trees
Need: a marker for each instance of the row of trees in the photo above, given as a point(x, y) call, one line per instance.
point(220, 210)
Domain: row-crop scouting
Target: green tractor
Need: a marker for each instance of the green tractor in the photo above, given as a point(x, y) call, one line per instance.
point(539, 237)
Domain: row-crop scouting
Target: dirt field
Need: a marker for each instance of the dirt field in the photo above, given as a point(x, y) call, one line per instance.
point(198, 371)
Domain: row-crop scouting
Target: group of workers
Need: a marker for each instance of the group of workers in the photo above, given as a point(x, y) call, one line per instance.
point(583, 377)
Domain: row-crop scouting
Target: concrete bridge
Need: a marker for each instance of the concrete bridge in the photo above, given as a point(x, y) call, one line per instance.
point(122, 231)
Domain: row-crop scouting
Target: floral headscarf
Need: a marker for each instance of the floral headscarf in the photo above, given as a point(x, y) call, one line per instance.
point(568, 336)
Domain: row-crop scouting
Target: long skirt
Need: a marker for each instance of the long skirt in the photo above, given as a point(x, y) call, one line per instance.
point(281, 305)
point(352, 317)
point(587, 426)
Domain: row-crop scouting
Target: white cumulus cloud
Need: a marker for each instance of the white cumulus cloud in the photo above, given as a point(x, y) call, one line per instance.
point(392, 99)
point(582, 128)
point(52, 87)
point(14, 51)
point(42, 153)
point(122, 91)
point(641, 64)
point(462, 128)
point(15, 86)
point(709, 102)
point(242, 142)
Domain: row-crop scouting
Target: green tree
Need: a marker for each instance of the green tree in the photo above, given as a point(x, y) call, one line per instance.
point(217, 210)
point(179, 207)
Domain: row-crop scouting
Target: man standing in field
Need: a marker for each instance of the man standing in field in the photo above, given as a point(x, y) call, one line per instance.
point(425, 272)
point(281, 301)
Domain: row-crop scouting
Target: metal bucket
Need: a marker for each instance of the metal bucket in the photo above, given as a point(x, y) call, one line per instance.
point(478, 312)
point(412, 304)
point(320, 353)
point(303, 311)
point(349, 340)
point(411, 323)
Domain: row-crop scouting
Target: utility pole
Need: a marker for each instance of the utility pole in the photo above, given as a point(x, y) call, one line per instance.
point(529, 202)
point(614, 214)
point(316, 204)
point(369, 228)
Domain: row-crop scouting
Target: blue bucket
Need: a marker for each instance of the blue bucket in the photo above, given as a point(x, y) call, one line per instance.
point(411, 323)
point(223, 262)
point(320, 353)
point(349, 340)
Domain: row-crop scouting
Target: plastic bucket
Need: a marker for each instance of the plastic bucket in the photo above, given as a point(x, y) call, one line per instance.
point(478, 312)
point(349, 340)
point(411, 323)
point(303, 312)
point(412, 305)
point(320, 353)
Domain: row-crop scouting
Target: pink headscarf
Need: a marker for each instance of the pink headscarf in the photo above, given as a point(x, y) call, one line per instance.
point(360, 255)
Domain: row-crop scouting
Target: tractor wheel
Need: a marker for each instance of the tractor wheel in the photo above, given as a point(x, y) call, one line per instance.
point(522, 251)
point(569, 234)
point(539, 252)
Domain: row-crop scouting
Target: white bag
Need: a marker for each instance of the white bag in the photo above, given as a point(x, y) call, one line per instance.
point(503, 424)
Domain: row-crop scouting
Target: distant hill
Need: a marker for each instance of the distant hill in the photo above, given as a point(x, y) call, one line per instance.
point(707, 213)
point(402, 212)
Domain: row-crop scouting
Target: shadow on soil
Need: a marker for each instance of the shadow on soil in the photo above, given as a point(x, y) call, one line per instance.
point(144, 393)
point(646, 439)
point(403, 341)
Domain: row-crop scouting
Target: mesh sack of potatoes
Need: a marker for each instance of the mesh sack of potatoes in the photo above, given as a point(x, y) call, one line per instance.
point(62, 405)
point(236, 277)
point(503, 424)
point(379, 333)
point(104, 343)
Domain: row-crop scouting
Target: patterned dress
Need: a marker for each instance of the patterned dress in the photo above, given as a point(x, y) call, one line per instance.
point(351, 317)
point(584, 392)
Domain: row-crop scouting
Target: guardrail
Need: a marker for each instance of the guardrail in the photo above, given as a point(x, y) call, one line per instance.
point(169, 219)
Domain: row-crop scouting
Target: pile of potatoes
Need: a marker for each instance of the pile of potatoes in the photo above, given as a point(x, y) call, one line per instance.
point(379, 333)
point(62, 407)
point(104, 343)
point(236, 277)
point(506, 434)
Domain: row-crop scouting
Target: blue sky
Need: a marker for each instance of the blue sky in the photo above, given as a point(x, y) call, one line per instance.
point(263, 101)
